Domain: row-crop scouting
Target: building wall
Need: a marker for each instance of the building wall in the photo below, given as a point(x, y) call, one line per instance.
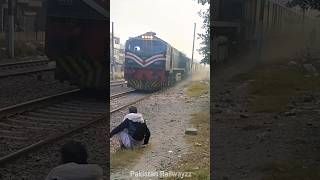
point(118, 52)
point(30, 15)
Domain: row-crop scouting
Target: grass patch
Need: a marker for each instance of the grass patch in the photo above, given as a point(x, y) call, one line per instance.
point(198, 160)
point(123, 158)
point(289, 171)
point(22, 48)
point(119, 75)
point(274, 85)
point(198, 88)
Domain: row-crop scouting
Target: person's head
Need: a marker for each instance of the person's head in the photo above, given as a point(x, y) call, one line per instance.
point(133, 109)
point(73, 151)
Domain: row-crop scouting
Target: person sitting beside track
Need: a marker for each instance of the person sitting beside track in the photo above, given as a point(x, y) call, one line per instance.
point(74, 165)
point(133, 132)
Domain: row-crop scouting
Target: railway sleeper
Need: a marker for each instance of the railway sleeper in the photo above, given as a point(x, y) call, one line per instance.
point(74, 110)
point(52, 120)
point(68, 113)
point(86, 104)
point(23, 127)
point(82, 106)
point(49, 123)
point(57, 120)
point(85, 108)
point(56, 116)
point(10, 131)
point(13, 137)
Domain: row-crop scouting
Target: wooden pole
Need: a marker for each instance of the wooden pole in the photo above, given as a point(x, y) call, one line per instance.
point(11, 28)
point(260, 32)
point(194, 36)
point(112, 53)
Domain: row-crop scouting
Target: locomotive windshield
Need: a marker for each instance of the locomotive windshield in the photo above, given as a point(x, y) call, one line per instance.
point(145, 48)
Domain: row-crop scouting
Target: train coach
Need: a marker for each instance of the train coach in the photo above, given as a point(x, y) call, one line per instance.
point(241, 23)
point(151, 63)
point(77, 40)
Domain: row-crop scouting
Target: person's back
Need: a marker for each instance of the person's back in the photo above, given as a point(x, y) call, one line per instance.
point(74, 165)
point(133, 132)
point(137, 130)
point(74, 171)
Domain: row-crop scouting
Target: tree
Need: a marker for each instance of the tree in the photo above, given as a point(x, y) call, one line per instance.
point(203, 2)
point(305, 4)
point(205, 37)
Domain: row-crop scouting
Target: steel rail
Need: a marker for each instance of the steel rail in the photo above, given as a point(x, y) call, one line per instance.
point(121, 94)
point(27, 72)
point(118, 83)
point(40, 143)
point(23, 62)
point(9, 109)
point(24, 70)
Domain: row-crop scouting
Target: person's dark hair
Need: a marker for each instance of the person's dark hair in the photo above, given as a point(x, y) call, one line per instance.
point(73, 151)
point(133, 109)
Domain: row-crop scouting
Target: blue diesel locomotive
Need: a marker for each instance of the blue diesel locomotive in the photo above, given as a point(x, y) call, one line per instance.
point(151, 63)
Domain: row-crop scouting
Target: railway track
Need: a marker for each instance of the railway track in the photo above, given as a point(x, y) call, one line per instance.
point(313, 53)
point(31, 125)
point(118, 83)
point(122, 93)
point(25, 67)
point(119, 88)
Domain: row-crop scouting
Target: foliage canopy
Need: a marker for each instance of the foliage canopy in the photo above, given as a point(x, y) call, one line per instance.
point(305, 4)
point(205, 37)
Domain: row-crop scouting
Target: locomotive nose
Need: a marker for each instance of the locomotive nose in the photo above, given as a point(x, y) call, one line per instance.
point(144, 77)
point(156, 76)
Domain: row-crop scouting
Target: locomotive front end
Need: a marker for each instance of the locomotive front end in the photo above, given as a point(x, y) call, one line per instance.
point(76, 39)
point(145, 59)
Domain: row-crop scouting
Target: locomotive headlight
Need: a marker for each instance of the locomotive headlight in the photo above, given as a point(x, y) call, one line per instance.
point(147, 37)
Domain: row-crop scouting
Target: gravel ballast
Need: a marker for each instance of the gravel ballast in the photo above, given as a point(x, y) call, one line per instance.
point(37, 164)
point(18, 89)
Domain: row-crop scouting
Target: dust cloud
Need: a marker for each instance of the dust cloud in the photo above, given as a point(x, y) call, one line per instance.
point(203, 75)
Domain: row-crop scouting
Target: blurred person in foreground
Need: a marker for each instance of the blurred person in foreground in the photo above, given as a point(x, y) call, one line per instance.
point(133, 132)
point(74, 164)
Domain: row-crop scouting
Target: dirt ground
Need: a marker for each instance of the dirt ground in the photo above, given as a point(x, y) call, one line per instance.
point(167, 114)
point(279, 139)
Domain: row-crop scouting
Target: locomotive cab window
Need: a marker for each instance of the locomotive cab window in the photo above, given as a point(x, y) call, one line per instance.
point(146, 48)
